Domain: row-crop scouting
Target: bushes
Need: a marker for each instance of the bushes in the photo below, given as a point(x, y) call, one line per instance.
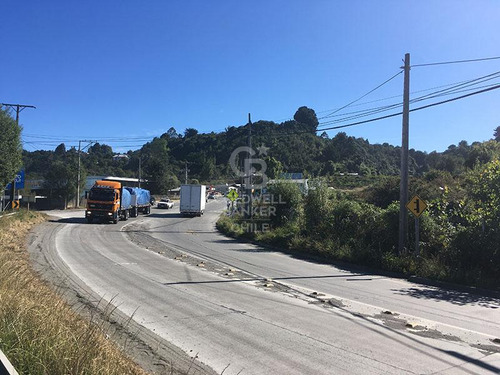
point(287, 203)
point(459, 233)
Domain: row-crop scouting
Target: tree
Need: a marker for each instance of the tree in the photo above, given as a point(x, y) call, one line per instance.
point(308, 117)
point(190, 132)
point(10, 148)
point(287, 202)
point(60, 150)
point(61, 178)
point(274, 167)
point(172, 133)
point(155, 164)
point(497, 134)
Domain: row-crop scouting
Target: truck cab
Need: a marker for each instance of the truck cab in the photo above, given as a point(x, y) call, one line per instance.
point(107, 201)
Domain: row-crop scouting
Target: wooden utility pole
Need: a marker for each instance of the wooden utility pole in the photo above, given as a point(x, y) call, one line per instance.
point(403, 189)
point(140, 171)
point(248, 170)
point(79, 164)
point(19, 108)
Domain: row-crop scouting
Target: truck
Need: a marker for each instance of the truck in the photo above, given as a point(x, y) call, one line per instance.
point(193, 199)
point(141, 201)
point(110, 201)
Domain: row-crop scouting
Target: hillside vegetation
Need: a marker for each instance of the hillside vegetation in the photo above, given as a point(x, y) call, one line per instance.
point(459, 233)
point(293, 147)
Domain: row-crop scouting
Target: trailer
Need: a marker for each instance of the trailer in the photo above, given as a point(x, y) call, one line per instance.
point(193, 199)
point(140, 201)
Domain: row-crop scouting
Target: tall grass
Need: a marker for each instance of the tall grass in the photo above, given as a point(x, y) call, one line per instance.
point(39, 332)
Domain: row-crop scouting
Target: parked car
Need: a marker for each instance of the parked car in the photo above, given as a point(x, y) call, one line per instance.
point(165, 203)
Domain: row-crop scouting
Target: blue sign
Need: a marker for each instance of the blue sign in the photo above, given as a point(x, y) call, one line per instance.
point(292, 176)
point(19, 181)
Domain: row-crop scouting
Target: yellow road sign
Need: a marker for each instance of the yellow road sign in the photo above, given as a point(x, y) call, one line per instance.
point(416, 205)
point(232, 195)
point(15, 205)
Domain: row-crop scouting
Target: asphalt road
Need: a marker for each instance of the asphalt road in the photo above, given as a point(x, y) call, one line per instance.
point(242, 309)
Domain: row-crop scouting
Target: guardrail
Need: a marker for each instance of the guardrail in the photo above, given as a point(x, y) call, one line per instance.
point(5, 366)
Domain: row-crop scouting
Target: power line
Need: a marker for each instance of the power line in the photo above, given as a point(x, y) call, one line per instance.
point(368, 93)
point(449, 91)
point(457, 61)
point(411, 110)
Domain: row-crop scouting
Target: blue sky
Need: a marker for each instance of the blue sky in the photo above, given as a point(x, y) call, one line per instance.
point(133, 69)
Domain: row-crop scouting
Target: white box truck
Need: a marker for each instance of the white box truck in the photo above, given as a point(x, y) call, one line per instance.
point(193, 199)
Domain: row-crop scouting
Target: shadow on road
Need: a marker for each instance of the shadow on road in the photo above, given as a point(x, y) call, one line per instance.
point(453, 296)
point(169, 231)
point(167, 215)
point(352, 277)
point(71, 220)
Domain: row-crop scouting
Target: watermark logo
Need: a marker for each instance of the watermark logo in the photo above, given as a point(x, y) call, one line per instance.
point(257, 177)
point(254, 208)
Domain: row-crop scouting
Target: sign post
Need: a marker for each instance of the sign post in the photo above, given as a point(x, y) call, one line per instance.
point(417, 206)
point(232, 195)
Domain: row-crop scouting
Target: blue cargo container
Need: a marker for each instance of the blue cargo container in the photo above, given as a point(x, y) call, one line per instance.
point(140, 200)
point(126, 200)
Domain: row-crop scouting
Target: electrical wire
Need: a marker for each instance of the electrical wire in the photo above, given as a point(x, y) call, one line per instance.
point(460, 87)
point(456, 62)
point(368, 93)
point(447, 91)
point(412, 110)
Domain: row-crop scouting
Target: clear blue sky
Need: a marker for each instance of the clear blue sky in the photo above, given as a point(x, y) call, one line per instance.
point(100, 69)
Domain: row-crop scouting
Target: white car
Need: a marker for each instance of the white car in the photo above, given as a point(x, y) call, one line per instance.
point(165, 203)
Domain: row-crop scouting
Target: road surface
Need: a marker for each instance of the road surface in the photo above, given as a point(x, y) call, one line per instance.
point(241, 309)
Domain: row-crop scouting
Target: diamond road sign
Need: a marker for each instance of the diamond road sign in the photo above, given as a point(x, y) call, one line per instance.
point(232, 195)
point(417, 206)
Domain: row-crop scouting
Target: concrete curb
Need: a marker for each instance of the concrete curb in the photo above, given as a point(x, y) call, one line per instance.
point(5, 366)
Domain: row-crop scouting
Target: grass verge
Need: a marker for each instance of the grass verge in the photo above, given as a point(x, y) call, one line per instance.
point(288, 238)
point(39, 332)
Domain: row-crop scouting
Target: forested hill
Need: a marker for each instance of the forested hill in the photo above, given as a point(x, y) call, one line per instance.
point(293, 147)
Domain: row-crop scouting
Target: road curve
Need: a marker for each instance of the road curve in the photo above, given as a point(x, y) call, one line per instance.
point(236, 322)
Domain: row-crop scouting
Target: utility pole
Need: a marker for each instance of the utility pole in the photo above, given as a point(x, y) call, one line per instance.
point(248, 168)
point(186, 170)
point(19, 108)
point(140, 161)
point(79, 163)
point(403, 189)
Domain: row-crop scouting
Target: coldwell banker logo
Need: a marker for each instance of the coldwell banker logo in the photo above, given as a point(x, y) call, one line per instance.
point(256, 207)
point(257, 177)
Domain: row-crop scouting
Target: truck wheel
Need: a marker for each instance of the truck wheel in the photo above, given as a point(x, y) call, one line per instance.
point(115, 220)
point(148, 210)
point(126, 215)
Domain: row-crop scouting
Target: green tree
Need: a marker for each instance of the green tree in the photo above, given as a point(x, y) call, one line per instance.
point(155, 162)
point(10, 148)
point(496, 134)
point(61, 179)
point(190, 132)
point(482, 153)
point(274, 167)
point(287, 202)
point(308, 117)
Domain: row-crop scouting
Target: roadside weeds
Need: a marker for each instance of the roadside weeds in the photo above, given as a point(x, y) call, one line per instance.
point(39, 331)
